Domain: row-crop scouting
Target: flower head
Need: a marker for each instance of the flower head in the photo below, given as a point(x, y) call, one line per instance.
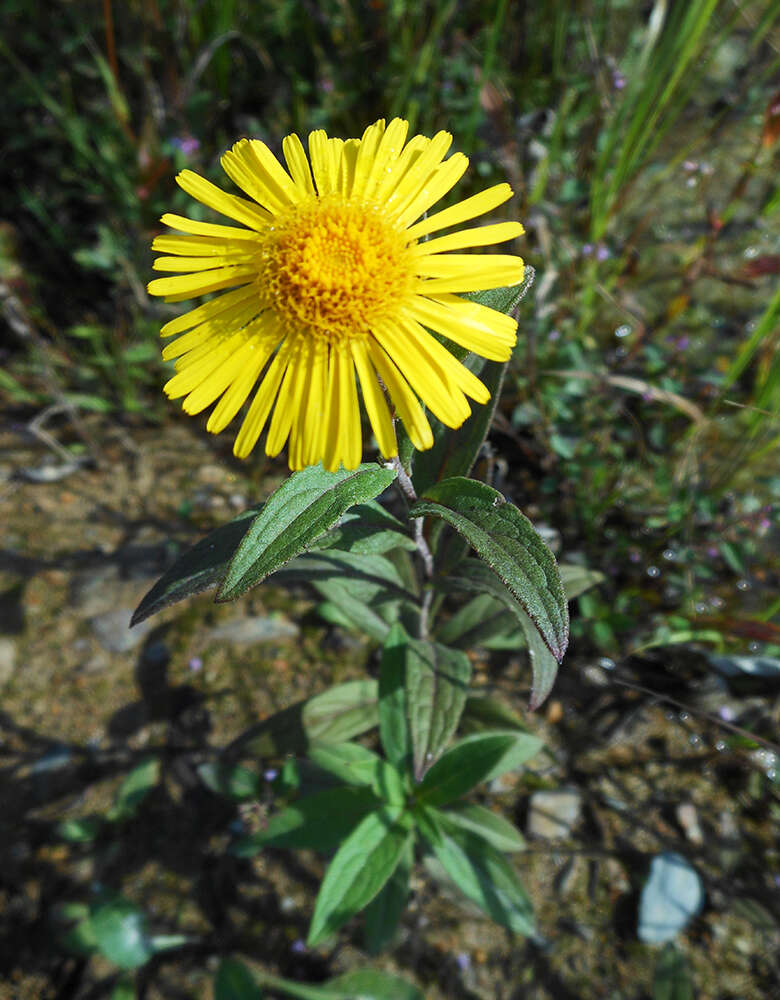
point(331, 283)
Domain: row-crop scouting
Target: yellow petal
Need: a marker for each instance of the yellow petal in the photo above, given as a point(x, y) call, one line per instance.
point(223, 323)
point(374, 401)
point(215, 384)
point(492, 339)
point(481, 277)
point(404, 400)
point(419, 173)
point(194, 264)
point(366, 158)
point(287, 400)
point(297, 163)
point(422, 370)
point(236, 394)
point(206, 246)
point(478, 204)
point(199, 365)
point(387, 154)
point(481, 236)
point(207, 311)
point(199, 284)
point(226, 204)
point(254, 421)
point(343, 439)
point(444, 178)
point(198, 228)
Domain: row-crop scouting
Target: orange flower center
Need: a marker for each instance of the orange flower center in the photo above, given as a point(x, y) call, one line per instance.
point(335, 268)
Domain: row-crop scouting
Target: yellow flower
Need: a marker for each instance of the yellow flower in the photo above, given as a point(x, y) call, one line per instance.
point(331, 278)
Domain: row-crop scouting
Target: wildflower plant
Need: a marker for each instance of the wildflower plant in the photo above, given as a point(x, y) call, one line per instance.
point(333, 283)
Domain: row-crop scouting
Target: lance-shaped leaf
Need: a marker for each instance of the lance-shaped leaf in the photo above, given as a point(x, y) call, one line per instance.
point(484, 621)
point(234, 981)
point(362, 865)
point(480, 872)
point(367, 529)
point(454, 452)
point(197, 569)
point(357, 765)
point(393, 722)
point(338, 714)
point(303, 508)
point(474, 759)
point(437, 684)
point(422, 690)
point(318, 822)
point(493, 828)
point(506, 541)
point(383, 913)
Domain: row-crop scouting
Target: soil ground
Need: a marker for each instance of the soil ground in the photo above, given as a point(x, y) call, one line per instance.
point(83, 701)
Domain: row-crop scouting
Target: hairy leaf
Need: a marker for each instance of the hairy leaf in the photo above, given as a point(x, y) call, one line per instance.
point(508, 543)
point(362, 865)
point(303, 508)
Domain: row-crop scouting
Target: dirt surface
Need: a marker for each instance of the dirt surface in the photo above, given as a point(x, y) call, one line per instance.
point(84, 700)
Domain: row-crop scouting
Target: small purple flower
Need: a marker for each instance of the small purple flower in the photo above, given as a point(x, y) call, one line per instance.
point(271, 774)
point(727, 713)
point(602, 252)
point(690, 165)
point(618, 80)
point(298, 947)
point(683, 343)
point(587, 249)
point(464, 960)
point(713, 551)
point(187, 144)
point(195, 664)
point(554, 335)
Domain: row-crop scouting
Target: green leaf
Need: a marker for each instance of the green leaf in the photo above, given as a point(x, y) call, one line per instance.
point(319, 822)
point(577, 579)
point(393, 722)
point(80, 831)
point(672, 977)
point(302, 509)
point(234, 981)
point(506, 540)
point(124, 990)
point(134, 789)
point(338, 714)
point(367, 529)
point(383, 913)
point(119, 928)
point(234, 781)
point(73, 928)
point(476, 576)
point(475, 759)
point(481, 714)
point(437, 683)
point(357, 765)
point(496, 830)
point(483, 621)
point(199, 568)
point(362, 865)
point(368, 984)
point(482, 874)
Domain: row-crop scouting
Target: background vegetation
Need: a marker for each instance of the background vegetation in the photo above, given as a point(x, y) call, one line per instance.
point(639, 420)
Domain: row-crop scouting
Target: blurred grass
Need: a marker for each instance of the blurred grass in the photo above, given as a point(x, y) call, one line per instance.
point(640, 141)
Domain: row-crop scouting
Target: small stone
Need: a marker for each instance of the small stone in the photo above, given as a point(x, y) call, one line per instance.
point(688, 819)
point(114, 633)
point(255, 629)
point(596, 675)
point(553, 814)
point(7, 660)
point(212, 475)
